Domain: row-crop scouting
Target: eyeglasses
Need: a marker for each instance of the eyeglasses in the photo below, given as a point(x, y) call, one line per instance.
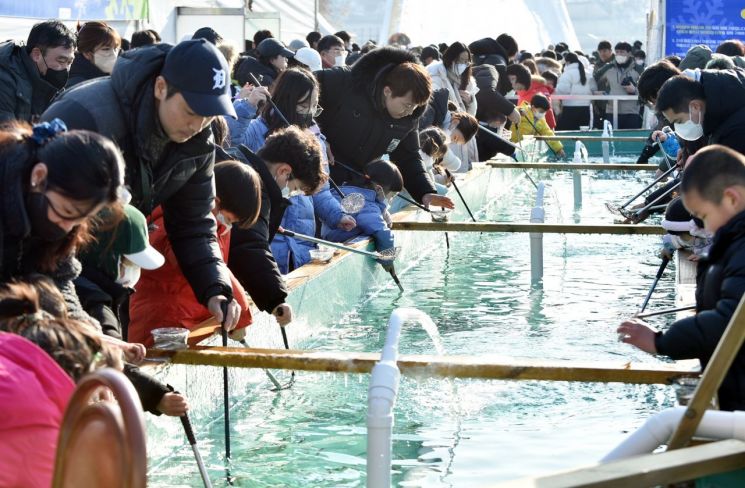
point(316, 111)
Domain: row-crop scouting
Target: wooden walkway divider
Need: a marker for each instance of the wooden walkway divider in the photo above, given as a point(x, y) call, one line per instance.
point(592, 138)
point(568, 166)
point(617, 229)
point(482, 367)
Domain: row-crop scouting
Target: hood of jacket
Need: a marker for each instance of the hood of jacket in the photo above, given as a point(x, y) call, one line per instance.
point(486, 77)
point(10, 59)
point(488, 46)
point(135, 71)
point(371, 69)
point(265, 74)
point(725, 95)
point(13, 215)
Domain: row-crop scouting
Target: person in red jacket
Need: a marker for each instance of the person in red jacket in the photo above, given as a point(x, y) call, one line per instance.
point(164, 297)
point(526, 86)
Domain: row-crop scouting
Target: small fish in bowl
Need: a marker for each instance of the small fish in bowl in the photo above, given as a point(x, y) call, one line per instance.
point(321, 256)
point(442, 215)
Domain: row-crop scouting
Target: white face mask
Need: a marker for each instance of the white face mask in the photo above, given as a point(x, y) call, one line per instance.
point(427, 160)
point(460, 68)
point(340, 61)
point(640, 62)
point(105, 62)
point(221, 218)
point(538, 115)
point(129, 275)
point(621, 59)
point(690, 130)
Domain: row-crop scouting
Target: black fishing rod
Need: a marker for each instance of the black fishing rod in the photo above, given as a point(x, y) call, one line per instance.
point(226, 392)
point(193, 442)
point(646, 188)
point(452, 180)
point(663, 265)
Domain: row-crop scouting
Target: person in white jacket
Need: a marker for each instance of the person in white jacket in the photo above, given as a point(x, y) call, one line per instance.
point(454, 74)
point(575, 80)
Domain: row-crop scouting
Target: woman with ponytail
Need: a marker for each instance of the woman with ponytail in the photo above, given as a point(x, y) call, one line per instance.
point(575, 80)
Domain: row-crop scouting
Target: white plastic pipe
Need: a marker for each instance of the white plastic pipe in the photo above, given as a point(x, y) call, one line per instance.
point(381, 398)
point(607, 132)
point(537, 216)
point(580, 156)
point(658, 429)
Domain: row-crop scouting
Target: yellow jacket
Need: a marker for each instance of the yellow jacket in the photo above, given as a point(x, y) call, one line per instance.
point(530, 127)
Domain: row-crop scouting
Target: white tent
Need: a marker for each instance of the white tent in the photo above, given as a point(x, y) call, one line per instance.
point(533, 23)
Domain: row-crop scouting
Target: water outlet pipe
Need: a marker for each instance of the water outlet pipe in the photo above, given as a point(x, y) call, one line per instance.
point(580, 156)
point(607, 132)
point(658, 429)
point(537, 216)
point(381, 398)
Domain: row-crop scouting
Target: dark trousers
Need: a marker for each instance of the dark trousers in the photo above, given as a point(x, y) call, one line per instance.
point(572, 118)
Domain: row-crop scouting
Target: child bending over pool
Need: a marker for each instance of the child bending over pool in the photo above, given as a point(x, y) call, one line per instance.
point(713, 189)
point(164, 297)
point(381, 182)
point(533, 123)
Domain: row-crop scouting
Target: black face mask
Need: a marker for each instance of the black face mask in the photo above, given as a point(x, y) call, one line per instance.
point(55, 77)
point(37, 207)
point(304, 120)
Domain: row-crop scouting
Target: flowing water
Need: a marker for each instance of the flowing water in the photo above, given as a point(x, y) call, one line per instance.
point(466, 433)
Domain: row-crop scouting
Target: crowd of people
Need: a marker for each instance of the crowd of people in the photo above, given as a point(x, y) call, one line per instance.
point(148, 185)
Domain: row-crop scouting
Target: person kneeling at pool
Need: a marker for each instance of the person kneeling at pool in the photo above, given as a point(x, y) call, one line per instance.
point(713, 188)
point(379, 185)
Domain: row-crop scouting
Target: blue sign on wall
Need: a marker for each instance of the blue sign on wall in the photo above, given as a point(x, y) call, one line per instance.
point(692, 22)
point(76, 9)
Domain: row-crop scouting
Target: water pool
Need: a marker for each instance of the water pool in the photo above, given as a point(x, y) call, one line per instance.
point(461, 432)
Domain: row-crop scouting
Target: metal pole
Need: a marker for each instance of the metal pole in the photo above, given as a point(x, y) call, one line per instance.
point(577, 180)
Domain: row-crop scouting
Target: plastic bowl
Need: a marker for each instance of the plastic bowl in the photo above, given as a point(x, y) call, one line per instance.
point(321, 255)
point(440, 215)
point(170, 337)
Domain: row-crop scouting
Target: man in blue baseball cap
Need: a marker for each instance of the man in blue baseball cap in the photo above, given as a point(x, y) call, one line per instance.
point(157, 106)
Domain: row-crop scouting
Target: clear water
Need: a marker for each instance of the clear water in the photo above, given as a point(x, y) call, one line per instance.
point(465, 432)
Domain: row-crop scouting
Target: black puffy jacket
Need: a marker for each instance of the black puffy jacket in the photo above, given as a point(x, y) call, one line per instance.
point(358, 127)
point(720, 288)
point(24, 95)
point(251, 259)
point(179, 177)
point(724, 116)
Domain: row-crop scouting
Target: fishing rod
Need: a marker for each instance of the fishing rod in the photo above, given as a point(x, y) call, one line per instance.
point(646, 188)
point(281, 312)
point(452, 180)
point(374, 255)
point(657, 200)
point(661, 270)
point(665, 311)
point(287, 123)
point(226, 392)
point(277, 385)
point(193, 442)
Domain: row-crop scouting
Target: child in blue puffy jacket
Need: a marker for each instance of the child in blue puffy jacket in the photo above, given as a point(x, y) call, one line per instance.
point(381, 182)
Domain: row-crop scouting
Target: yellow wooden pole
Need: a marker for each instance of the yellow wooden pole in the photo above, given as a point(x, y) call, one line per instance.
point(723, 357)
point(592, 138)
point(483, 367)
point(568, 166)
point(622, 229)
